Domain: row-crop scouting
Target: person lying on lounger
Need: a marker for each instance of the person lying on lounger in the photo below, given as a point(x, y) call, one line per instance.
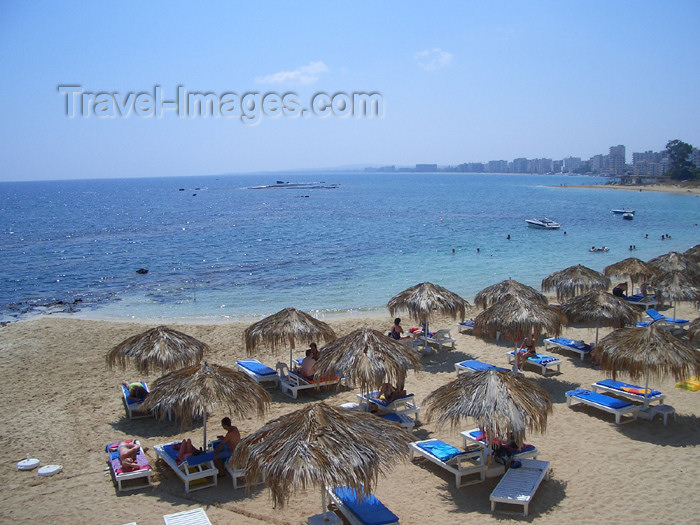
point(136, 391)
point(187, 449)
point(388, 392)
point(127, 454)
point(228, 443)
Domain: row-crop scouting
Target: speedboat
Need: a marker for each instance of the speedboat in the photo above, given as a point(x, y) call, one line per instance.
point(622, 211)
point(545, 223)
point(628, 216)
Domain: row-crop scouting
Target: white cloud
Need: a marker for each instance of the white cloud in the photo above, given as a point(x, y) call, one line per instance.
point(432, 59)
point(302, 75)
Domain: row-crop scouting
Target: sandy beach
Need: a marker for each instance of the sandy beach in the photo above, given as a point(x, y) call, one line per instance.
point(63, 406)
point(692, 188)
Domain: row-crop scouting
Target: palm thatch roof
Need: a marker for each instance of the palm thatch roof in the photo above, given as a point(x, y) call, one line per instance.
point(694, 329)
point(597, 309)
point(367, 358)
point(648, 351)
point(693, 253)
point(677, 262)
point(508, 288)
point(676, 286)
point(288, 325)
point(504, 405)
point(161, 348)
point(320, 445)
point(635, 269)
point(573, 281)
point(190, 392)
point(515, 316)
point(424, 299)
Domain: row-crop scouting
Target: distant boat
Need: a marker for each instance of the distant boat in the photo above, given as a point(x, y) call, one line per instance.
point(622, 211)
point(544, 223)
point(601, 249)
point(628, 216)
point(296, 186)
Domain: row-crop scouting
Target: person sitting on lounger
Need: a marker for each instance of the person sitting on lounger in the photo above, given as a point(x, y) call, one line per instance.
point(308, 366)
point(228, 443)
point(127, 454)
point(527, 349)
point(397, 329)
point(388, 392)
point(314, 351)
point(136, 391)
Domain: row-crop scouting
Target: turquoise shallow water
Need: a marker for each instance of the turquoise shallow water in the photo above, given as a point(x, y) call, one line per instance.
point(221, 250)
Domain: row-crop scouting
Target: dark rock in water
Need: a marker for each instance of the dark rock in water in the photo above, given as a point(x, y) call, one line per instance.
point(142, 271)
point(194, 194)
point(181, 189)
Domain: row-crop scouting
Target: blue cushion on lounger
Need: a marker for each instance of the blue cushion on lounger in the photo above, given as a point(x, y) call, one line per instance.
point(476, 365)
point(368, 509)
point(600, 399)
point(257, 367)
point(201, 458)
point(619, 384)
point(441, 450)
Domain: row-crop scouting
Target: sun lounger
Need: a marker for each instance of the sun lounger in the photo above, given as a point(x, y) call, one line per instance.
point(132, 406)
point(602, 402)
point(458, 462)
point(261, 373)
point(405, 405)
point(358, 509)
point(640, 300)
point(128, 479)
point(668, 323)
point(472, 365)
point(402, 420)
point(291, 382)
point(440, 338)
point(545, 362)
point(633, 392)
point(518, 485)
point(237, 474)
point(187, 517)
point(466, 326)
point(579, 347)
point(476, 436)
point(198, 472)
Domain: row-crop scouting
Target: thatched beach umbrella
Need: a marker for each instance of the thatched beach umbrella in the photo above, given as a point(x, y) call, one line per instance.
point(508, 288)
point(515, 316)
point(573, 281)
point(504, 405)
point(288, 325)
point(635, 269)
point(190, 392)
point(650, 351)
point(597, 309)
point(367, 358)
point(324, 446)
point(676, 286)
point(677, 262)
point(425, 299)
point(693, 253)
point(159, 347)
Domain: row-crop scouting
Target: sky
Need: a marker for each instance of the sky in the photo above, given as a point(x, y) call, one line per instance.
point(90, 89)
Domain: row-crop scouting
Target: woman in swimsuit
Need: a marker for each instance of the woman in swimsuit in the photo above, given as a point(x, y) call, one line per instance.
point(127, 455)
point(528, 346)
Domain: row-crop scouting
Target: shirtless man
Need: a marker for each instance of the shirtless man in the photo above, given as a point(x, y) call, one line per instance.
point(228, 443)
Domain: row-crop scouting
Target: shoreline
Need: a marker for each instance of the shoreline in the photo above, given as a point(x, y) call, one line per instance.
point(658, 188)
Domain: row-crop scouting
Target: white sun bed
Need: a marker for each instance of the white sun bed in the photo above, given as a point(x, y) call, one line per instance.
point(472, 365)
point(458, 462)
point(518, 485)
point(633, 392)
point(187, 517)
point(476, 437)
point(291, 383)
point(358, 510)
point(440, 338)
point(405, 405)
point(608, 404)
point(545, 362)
point(579, 347)
point(197, 472)
point(131, 406)
point(402, 420)
point(262, 374)
point(129, 480)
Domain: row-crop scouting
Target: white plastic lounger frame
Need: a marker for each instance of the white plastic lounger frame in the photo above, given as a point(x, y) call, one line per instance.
point(267, 380)
point(348, 514)
point(188, 517)
point(544, 367)
point(468, 439)
point(629, 409)
point(195, 477)
point(583, 352)
point(518, 485)
point(658, 398)
point(133, 409)
point(440, 338)
point(405, 405)
point(476, 459)
point(291, 383)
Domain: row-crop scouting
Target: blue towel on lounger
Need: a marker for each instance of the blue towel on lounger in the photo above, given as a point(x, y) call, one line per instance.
point(618, 385)
point(368, 509)
point(441, 450)
point(256, 367)
point(600, 399)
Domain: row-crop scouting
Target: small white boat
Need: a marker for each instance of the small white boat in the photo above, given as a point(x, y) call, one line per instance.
point(545, 223)
point(628, 216)
point(601, 249)
point(622, 211)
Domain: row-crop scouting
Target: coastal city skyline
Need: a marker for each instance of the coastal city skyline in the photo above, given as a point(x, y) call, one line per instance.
point(178, 92)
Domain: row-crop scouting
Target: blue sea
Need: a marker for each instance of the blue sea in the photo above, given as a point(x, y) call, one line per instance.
point(216, 249)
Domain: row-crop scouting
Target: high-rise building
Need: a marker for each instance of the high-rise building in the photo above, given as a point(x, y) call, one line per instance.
point(616, 159)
